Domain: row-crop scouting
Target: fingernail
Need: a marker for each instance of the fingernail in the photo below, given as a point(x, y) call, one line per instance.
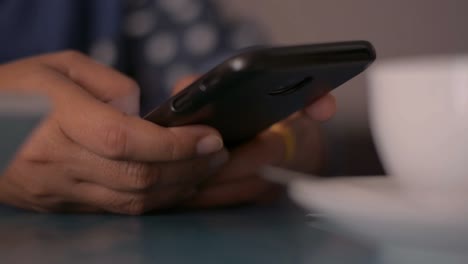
point(209, 144)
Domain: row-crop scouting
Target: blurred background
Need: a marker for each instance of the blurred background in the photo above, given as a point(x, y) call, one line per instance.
point(396, 28)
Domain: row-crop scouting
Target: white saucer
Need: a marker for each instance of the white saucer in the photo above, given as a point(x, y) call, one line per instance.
point(378, 210)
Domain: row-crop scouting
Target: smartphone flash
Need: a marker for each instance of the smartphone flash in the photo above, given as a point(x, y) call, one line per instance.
point(237, 64)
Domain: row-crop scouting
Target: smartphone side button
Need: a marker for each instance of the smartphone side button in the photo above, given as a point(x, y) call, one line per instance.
point(181, 103)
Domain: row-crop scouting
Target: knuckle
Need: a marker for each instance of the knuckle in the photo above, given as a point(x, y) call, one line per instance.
point(141, 175)
point(172, 148)
point(37, 192)
point(115, 140)
point(36, 149)
point(71, 55)
point(35, 153)
point(39, 74)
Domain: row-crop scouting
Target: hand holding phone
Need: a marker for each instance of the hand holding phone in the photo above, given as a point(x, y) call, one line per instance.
point(253, 90)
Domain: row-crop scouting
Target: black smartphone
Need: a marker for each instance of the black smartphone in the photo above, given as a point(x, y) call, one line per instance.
point(251, 91)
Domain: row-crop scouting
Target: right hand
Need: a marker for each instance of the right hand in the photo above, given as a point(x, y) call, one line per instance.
point(93, 153)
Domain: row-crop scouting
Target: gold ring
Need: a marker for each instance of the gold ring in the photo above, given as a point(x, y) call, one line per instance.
point(289, 140)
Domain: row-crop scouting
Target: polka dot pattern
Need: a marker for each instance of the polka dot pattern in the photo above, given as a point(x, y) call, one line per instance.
point(139, 23)
point(161, 48)
point(182, 11)
point(166, 40)
point(201, 39)
point(175, 73)
point(104, 51)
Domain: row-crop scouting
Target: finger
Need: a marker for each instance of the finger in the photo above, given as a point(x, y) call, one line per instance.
point(37, 193)
point(129, 176)
point(271, 148)
point(110, 133)
point(323, 109)
point(266, 149)
point(128, 203)
point(72, 208)
point(104, 83)
point(182, 84)
point(246, 191)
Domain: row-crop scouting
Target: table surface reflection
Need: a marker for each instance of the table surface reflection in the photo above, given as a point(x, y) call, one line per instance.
point(278, 233)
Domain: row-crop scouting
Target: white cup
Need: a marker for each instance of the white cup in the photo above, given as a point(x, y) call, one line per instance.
point(419, 118)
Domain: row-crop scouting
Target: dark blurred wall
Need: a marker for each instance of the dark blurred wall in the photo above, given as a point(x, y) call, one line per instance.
point(397, 28)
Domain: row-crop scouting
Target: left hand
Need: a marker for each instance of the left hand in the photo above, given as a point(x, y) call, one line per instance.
point(238, 181)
